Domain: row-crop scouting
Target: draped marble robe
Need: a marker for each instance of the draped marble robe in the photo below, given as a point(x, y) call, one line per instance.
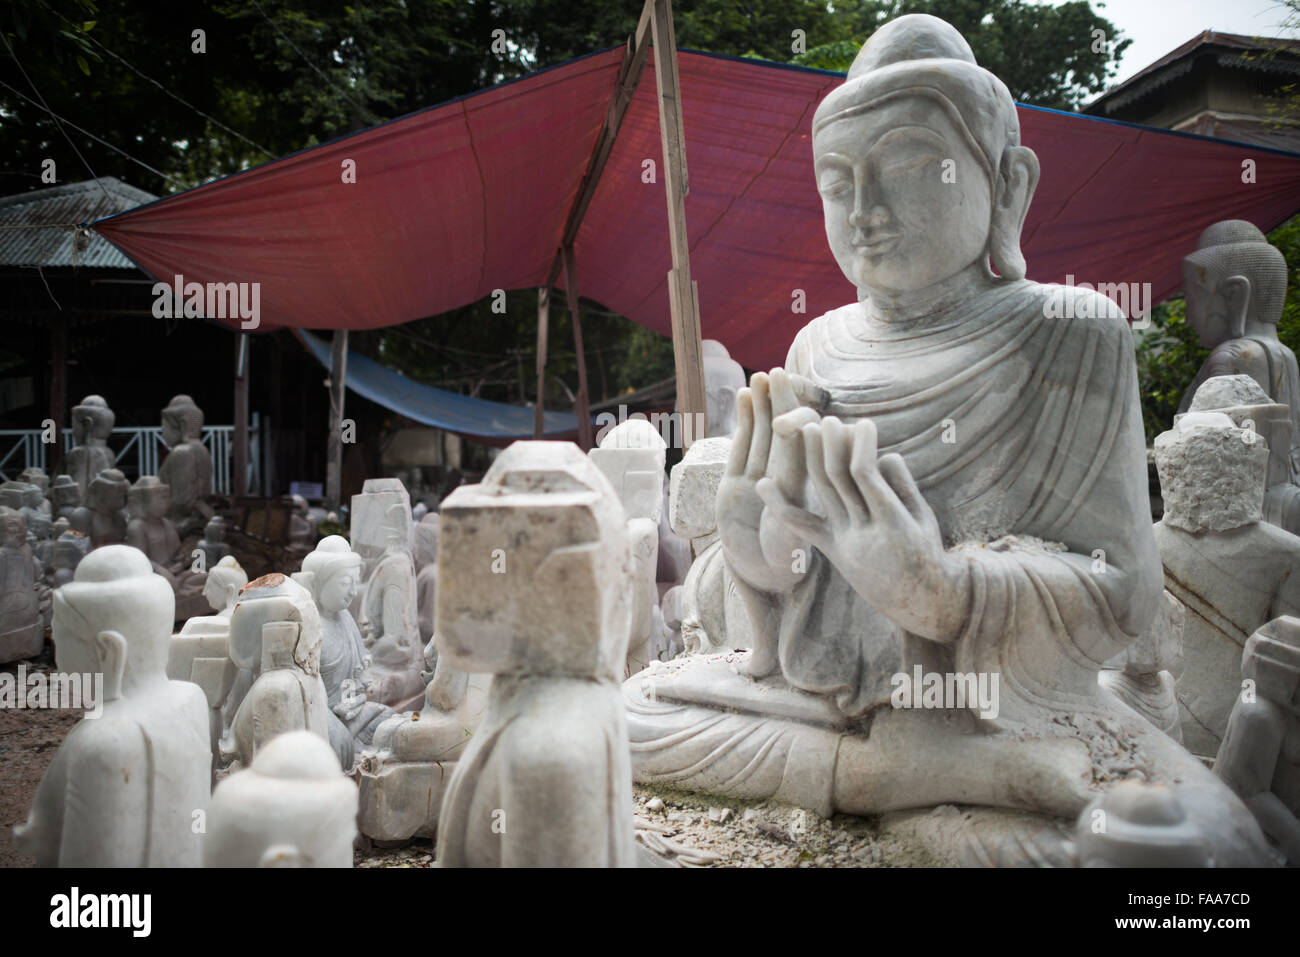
point(342, 664)
point(1024, 435)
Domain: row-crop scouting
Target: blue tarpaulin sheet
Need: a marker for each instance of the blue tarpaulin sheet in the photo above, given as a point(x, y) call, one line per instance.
point(463, 414)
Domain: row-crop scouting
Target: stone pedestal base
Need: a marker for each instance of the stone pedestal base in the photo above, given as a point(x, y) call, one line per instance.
point(22, 643)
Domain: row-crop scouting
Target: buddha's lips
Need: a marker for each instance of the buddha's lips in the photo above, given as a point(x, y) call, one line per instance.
point(879, 244)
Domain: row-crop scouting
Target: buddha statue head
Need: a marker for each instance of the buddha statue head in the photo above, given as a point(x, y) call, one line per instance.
point(632, 455)
point(108, 491)
point(36, 476)
point(273, 598)
point(919, 164)
point(64, 492)
point(724, 377)
point(332, 572)
point(149, 498)
point(426, 541)
point(92, 421)
point(1232, 280)
point(214, 533)
point(292, 807)
point(114, 617)
point(13, 528)
point(1271, 659)
point(225, 579)
point(182, 421)
point(1241, 399)
point(1211, 473)
point(11, 494)
point(547, 520)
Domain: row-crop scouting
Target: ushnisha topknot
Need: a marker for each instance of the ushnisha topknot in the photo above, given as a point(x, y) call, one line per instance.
point(921, 55)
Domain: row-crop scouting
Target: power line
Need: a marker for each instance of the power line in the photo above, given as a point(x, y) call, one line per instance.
point(58, 120)
point(364, 109)
point(160, 86)
point(42, 104)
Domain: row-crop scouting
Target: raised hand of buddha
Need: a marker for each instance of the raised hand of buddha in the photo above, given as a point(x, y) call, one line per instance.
point(878, 531)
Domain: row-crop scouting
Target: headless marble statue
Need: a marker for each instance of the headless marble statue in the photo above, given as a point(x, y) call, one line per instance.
point(291, 808)
point(1232, 571)
point(123, 788)
point(1260, 755)
point(1235, 285)
point(187, 469)
point(92, 424)
point(545, 780)
point(927, 486)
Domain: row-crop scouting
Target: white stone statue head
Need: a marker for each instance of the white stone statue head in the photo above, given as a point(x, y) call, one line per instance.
point(333, 573)
point(108, 491)
point(723, 379)
point(547, 518)
point(1241, 399)
point(1233, 276)
point(1271, 659)
point(92, 419)
point(426, 541)
point(36, 475)
point(292, 807)
point(919, 163)
point(272, 598)
point(693, 487)
point(65, 492)
point(115, 613)
point(225, 579)
point(149, 498)
point(632, 455)
point(1211, 473)
point(182, 421)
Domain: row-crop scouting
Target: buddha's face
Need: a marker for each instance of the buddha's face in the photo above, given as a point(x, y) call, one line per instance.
point(172, 435)
point(337, 593)
point(1208, 312)
point(907, 201)
point(216, 592)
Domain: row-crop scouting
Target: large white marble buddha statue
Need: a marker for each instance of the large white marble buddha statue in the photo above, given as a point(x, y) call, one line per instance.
point(945, 477)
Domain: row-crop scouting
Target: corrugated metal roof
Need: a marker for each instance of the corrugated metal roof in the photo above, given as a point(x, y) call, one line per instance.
point(82, 202)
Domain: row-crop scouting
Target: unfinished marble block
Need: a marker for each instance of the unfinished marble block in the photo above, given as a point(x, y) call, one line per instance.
point(200, 653)
point(92, 424)
point(22, 632)
point(291, 808)
point(693, 490)
point(124, 789)
point(1260, 754)
point(1232, 571)
point(1241, 399)
point(545, 781)
point(372, 517)
point(187, 468)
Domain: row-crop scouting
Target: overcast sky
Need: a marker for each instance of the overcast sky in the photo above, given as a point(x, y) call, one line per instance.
point(1158, 26)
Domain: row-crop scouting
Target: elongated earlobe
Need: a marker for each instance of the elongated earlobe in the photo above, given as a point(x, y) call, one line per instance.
point(1017, 179)
point(1235, 291)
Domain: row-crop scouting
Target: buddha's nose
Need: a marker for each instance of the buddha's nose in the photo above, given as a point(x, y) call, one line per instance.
point(868, 212)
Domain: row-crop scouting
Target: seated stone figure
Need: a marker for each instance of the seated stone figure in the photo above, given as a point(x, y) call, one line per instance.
point(69, 549)
point(213, 543)
point(22, 632)
point(930, 485)
point(1232, 571)
point(92, 424)
point(149, 528)
point(389, 621)
point(426, 573)
point(224, 581)
point(187, 469)
point(1235, 285)
point(291, 808)
point(331, 574)
point(545, 779)
point(631, 455)
point(123, 789)
point(35, 475)
point(1240, 398)
point(1260, 755)
point(64, 496)
point(104, 515)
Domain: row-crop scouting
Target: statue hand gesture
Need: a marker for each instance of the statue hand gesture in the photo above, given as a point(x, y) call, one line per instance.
point(879, 532)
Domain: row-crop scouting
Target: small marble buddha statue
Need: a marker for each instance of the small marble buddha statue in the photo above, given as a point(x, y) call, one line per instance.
point(105, 514)
point(225, 579)
point(723, 379)
point(22, 633)
point(188, 465)
point(149, 528)
point(35, 475)
point(1232, 571)
point(545, 780)
point(124, 788)
point(1235, 286)
point(389, 620)
point(213, 543)
point(64, 496)
point(332, 574)
point(1260, 754)
point(292, 807)
point(92, 424)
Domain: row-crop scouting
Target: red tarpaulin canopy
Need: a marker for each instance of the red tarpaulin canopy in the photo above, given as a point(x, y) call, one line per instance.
point(457, 200)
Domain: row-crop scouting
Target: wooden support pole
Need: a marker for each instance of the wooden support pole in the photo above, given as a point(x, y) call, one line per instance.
point(682, 294)
point(334, 444)
point(543, 322)
point(239, 469)
point(59, 388)
point(582, 407)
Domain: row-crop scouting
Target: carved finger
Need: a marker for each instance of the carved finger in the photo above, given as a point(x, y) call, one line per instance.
point(837, 440)
point(815, 457)
point(899, 477)
point(761, 444)
point(866, 470)
point(739, 454)
point(801, 521)
point(783, 398)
